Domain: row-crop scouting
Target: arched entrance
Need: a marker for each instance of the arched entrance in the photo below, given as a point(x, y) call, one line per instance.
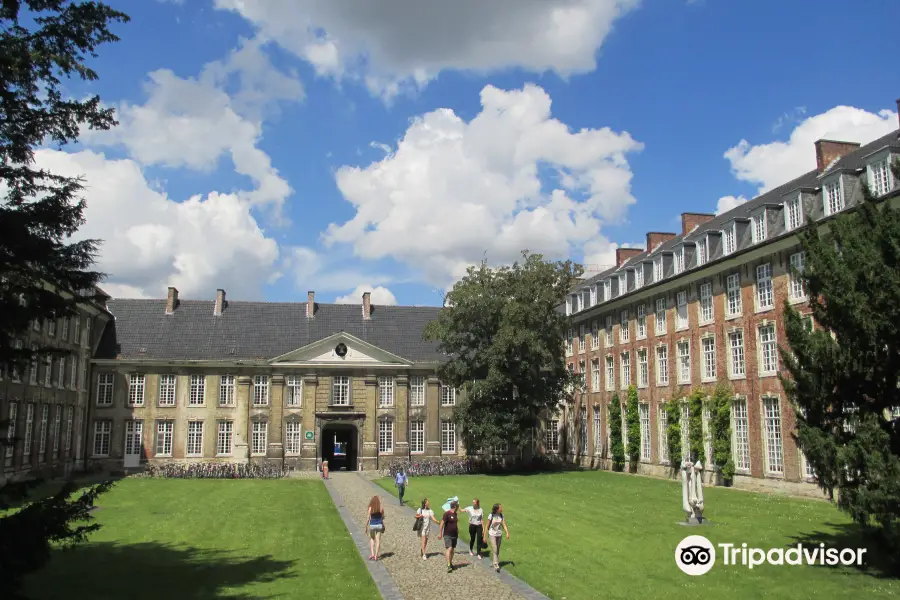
point(340, 446)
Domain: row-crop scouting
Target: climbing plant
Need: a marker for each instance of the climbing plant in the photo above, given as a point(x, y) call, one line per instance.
point(616, 447)
point(720, 429)
point(695, 425)
point(633, 423)
point(673, 432)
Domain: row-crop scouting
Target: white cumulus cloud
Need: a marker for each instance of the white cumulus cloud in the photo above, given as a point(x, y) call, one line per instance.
point(454, 192)
point(403, 44)
point(380, 295)
point(726, 203)
point(772, 164)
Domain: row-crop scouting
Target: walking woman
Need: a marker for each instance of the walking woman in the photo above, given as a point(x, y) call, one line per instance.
point(427, 515)
point(375, 526)
point(324, 469)
point(495, 523)
point(450, 532)
point(476, 532)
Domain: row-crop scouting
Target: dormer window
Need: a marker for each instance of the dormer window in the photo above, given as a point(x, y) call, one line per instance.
point(701, 253)
point(793, 213)
point(658, 269)
point(759, 227)
point(833, 194)
point(880, 177)
point(639, 276)
point(729, 240)
point(568, 305)
point(679, 260)
point(607, 290)
point(593, 295)
point(623, 284)
point(585, 298)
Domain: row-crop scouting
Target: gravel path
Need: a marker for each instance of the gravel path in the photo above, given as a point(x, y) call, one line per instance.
point(419, 579)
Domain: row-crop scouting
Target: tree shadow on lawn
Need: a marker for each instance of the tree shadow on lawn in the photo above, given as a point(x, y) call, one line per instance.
point(878, 561)
point(135, 571)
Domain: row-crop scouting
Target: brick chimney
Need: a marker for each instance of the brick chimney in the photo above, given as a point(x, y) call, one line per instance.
point(655, 238)
point(172, 301)
point(828, 150)
point(690, 221)
point(367, 305)
point(310, 304)
point(623, 254)
point(220, 302)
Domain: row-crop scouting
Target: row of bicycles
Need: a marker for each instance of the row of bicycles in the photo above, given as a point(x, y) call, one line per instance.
point(215, 471)
point(443, 466)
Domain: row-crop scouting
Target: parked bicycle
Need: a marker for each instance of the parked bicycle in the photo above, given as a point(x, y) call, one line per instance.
point(216, 471)
point(442, 466)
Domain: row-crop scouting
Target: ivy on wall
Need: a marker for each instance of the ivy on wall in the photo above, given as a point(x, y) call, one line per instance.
point(633, 423)
point(616, 447)
point(673, 432)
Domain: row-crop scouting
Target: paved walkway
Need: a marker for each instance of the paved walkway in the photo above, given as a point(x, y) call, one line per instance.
point(418, 579)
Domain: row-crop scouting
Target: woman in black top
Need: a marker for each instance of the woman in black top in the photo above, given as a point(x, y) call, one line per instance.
point(450, 532)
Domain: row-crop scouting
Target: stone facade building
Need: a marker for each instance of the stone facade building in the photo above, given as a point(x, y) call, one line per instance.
point(46, 407)
point(287, 383)
point(706, 305)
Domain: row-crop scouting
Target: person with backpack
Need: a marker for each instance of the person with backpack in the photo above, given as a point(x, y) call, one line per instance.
point(496, 521)
point(424, 518)
point(375, 526)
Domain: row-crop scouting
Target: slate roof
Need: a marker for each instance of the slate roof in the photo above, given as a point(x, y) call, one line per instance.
point(257, 330)
point(811, 181)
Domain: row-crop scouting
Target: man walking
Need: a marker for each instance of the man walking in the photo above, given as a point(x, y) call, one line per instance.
point(400, 481)
point(450, 532)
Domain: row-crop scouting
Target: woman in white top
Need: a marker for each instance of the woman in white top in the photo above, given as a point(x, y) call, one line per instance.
point(495, 522)
point(427, 515)
point(476, 531)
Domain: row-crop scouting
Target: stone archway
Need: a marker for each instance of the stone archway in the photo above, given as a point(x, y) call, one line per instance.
point(340, 446)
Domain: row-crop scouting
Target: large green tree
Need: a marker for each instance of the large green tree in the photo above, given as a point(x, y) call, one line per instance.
point(843, 375)
point(42, 43)
point(503, 334)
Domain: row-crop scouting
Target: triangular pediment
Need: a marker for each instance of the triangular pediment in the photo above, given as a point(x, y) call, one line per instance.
point(340, 349)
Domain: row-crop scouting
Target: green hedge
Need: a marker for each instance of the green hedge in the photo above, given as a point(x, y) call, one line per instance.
point(616, 447)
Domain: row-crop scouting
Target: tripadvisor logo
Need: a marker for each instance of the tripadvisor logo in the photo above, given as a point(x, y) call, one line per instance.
point(696, 555)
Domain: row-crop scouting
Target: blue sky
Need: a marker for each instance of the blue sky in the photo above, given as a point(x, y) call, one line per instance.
point(275, 147)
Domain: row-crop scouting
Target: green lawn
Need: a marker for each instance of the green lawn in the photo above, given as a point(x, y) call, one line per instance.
point(184, 539)
point(599, 534)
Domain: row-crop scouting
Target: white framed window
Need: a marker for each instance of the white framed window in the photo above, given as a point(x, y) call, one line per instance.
point(793, 214)
point(644, 413)
point(569, 307)
point(583, 430)
point(625, 362)
point(224, 438)
point(643, 369)
point(610, 373)
point(42, 442)
point(582, 370)
point(662, 426)
point(61, 373)
point(765, 299)
point(593, 291)
point(33, 368)
point(681, 311)
point(834, 197)
point(134, 432)
point(102, 437)
point(701, 253)
point(417, 436)
point(660, 316)
point(67, 443)
point(662, 365)
point(679, 260)
point(707, 312)
point(586, 298)
point(48, 371)
point(105, 389)
point(167, 390)
point(448, 437)
point(607, 289)
point(582, 331)
point(226, 390)
point(808, 472)
point(417, 390)
point(73, 372)
point(260, 390)
point(136, 389)
point(598, 438)
point(641, 321)
point(624, 332)
point(294, 389)
point(292, 437)
point(609, 331)
point(76, 335)
point(639, 276)
point(708, 347)
point(340, 390)
point(164, 433)
point(684, 361)
point(880, 177)
point(759, 227)
point(740, 435)
point(86, 334)
point(259, 437)
point(569, 343)
point(729, 240)
point(595, 335)
point(51, 327)
point(15, 375)
point(623, 284)
point(385, 391)
point(448, 395)
point(736, 363)
point(198, 391)
point(385, 436)
point(194, 445)
point(774, 449)
point(658, 269)
point(11, 415)
point(796, 289)
point(551, 441)
point(29, 429)
point(595, 374)
point(64, 333)
point(768, 349)
point(733, 305)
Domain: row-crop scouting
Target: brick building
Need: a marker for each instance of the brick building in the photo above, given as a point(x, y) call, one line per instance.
point(705, 305)
point(47, 406)
point(291, 383)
